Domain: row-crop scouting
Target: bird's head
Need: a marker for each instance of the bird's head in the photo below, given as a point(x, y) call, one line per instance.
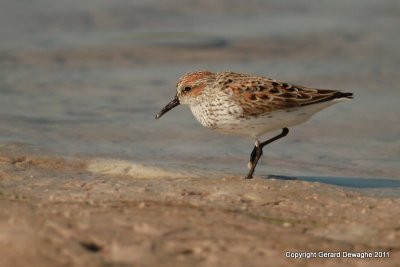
point(189, 90)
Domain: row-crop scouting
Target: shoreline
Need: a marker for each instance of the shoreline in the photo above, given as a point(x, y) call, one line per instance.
point(63, 212)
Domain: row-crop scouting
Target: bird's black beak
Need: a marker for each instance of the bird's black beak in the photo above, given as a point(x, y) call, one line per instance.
point(174, 102)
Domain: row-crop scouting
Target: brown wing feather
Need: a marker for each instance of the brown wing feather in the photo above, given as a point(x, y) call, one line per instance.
point(260, 95)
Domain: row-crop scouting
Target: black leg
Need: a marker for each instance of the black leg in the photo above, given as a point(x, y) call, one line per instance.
point(253, 156)
point(258, 151)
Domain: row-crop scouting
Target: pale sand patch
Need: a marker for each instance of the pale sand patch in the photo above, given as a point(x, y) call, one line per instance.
point(139, 170)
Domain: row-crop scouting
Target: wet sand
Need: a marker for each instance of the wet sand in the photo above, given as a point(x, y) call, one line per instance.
point(89, 178)
point(99, 212)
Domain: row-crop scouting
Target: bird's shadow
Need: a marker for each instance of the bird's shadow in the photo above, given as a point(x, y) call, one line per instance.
point(354, 182)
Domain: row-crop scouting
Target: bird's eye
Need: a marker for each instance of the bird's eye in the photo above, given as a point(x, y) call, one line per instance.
point(187, 88)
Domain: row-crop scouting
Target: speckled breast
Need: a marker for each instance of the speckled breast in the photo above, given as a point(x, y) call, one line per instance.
point(217, 113)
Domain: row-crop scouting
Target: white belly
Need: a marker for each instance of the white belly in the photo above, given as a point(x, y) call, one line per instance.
point(226, 119)
point(256, 127)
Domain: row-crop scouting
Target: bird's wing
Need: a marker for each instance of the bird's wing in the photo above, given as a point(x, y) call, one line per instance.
point(260, 95)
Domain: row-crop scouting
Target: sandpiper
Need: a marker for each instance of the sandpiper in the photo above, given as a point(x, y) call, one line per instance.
point(244, 104)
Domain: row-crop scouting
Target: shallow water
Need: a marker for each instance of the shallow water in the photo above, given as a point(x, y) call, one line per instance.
point(87, 79)
point(375, 187)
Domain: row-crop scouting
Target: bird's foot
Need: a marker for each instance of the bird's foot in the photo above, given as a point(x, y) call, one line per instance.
point(248, 176)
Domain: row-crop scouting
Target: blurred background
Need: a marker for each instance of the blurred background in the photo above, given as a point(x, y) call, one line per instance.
point(85, 78)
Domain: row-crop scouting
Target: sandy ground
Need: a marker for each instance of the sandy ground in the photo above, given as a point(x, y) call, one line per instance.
point(99, 212)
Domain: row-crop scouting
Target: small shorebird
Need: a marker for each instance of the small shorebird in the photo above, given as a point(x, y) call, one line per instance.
point(236, 103)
